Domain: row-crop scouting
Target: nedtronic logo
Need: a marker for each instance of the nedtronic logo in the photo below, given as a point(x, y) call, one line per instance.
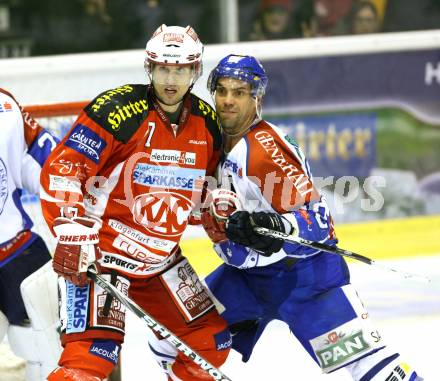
point(173, 156)
point(3, 185)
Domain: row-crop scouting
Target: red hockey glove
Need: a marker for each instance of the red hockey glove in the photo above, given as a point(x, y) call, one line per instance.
point(222, 204)
point(77, 248)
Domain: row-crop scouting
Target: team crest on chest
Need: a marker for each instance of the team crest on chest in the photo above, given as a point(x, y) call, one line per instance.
point(162, 213)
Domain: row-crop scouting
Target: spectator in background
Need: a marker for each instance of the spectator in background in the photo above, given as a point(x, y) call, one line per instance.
point(380, 7)
point(97, 9)
point(329, 17)
point(139, 18)
point(204, 14)
point(364, 18)
point(71, 27)
point(15, 40)
point(273, 21)
point(145, 15)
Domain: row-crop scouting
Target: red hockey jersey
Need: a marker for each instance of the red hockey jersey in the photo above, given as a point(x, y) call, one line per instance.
point(123, 161)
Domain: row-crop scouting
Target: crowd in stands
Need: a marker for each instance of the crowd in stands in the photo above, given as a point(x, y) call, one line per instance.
point(43, 27)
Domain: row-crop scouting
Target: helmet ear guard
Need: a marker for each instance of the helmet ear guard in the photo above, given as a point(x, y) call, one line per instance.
point(244, 68)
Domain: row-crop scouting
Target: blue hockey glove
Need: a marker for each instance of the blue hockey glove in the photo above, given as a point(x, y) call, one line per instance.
point(240, 228)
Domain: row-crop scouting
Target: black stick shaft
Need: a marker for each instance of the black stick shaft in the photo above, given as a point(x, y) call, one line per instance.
point(336, 250)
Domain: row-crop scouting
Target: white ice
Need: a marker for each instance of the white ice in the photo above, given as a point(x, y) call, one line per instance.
point(407, 314)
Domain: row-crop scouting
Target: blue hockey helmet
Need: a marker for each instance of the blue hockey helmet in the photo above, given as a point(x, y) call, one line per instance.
point(243, 68)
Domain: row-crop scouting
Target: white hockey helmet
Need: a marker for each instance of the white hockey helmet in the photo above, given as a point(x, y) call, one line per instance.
point(174, 45)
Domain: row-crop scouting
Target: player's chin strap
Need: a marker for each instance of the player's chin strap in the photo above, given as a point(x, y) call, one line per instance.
point(216, 374)
point(338, 251)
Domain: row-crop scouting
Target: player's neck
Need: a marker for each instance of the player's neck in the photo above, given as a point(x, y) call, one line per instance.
point(171, 109)
point(231, 140)
point(174, 115)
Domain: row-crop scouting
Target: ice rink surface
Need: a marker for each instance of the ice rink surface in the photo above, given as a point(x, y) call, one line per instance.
point(406, 313)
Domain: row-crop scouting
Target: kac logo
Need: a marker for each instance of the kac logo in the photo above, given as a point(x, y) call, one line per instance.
point(162, 213)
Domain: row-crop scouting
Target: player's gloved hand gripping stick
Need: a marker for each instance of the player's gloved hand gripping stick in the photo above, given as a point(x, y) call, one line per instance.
point(224, 220)
point(240, 229)
point(266, 232)
point(77, 247)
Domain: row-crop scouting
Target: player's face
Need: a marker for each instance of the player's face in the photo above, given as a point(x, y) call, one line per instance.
point(170, 83)
point(235, 105)
point(365, 21)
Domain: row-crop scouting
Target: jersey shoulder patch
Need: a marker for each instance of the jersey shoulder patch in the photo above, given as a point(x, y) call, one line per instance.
point(206, 111)
point(120, 111)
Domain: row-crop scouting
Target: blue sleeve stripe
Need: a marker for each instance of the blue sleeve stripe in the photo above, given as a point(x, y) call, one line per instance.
point(39, 153)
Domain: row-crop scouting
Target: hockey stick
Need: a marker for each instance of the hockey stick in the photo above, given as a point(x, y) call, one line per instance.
point(338, 251)
point(216, 374)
